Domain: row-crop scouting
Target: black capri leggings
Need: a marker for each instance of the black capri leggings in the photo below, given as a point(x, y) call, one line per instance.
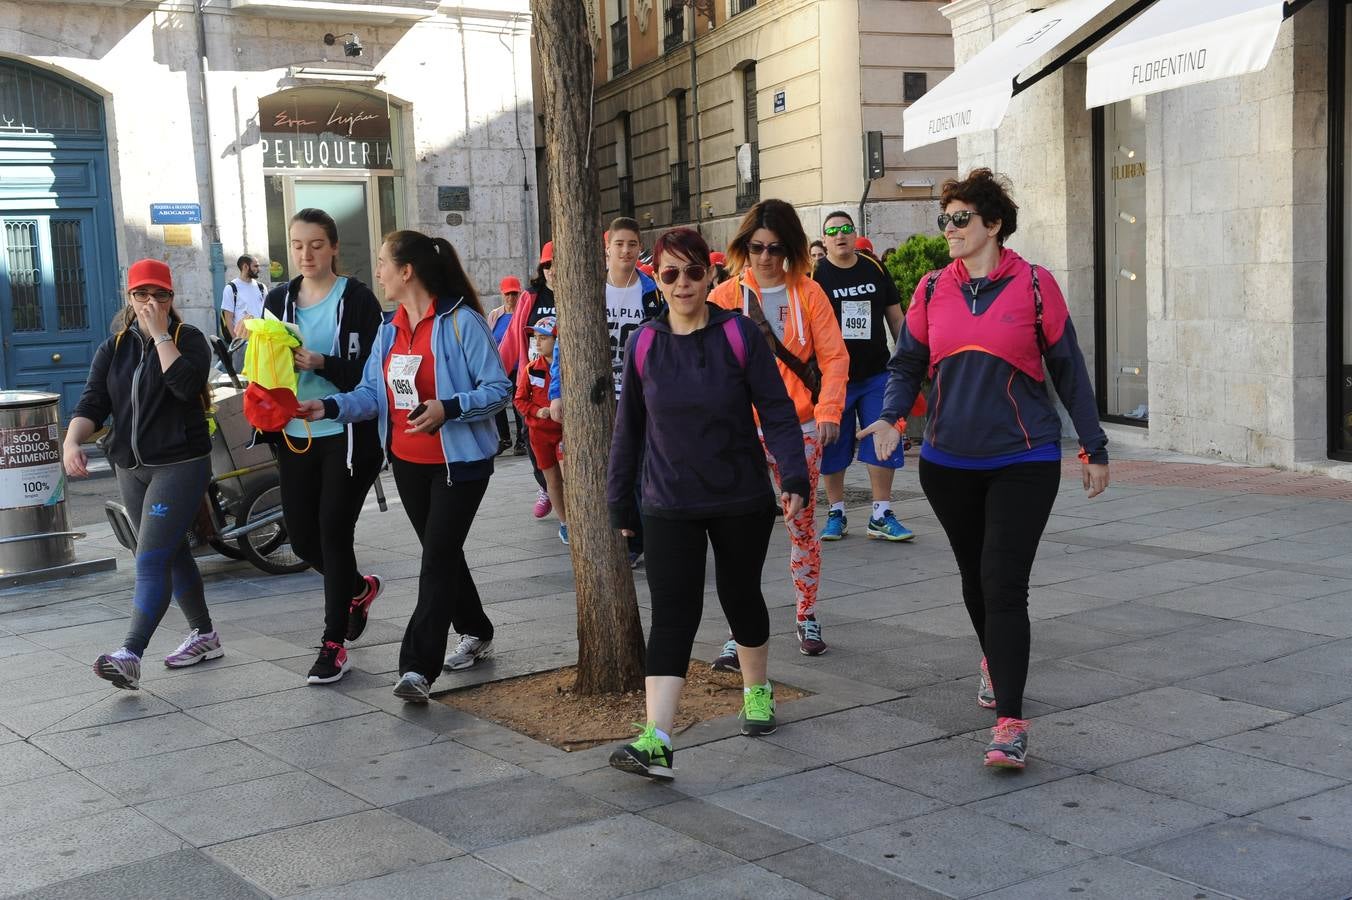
point(676, 556)
point(994, 520)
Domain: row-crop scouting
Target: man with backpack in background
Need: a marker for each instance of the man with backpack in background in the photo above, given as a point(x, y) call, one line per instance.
point(242, 298)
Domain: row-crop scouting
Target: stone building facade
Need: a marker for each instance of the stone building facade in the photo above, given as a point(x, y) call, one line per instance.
point(786, 91)
point(1199, 236)
point(431, 127)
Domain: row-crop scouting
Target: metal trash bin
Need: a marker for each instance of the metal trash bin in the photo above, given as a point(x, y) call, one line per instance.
point(34, 525)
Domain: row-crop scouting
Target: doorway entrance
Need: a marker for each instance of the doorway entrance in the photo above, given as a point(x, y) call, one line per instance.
point(334, 149)
point(59, 284)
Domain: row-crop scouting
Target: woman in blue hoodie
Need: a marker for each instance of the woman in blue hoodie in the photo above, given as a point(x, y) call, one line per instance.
point(692, 378)
point(434, 383)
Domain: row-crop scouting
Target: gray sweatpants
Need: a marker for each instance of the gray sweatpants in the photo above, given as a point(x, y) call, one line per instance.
point(162, 502)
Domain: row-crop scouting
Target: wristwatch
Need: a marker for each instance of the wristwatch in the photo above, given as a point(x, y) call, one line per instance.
point(162, 339)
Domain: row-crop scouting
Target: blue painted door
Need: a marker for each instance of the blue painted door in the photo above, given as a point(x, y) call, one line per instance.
point(50, 326)
point(59, 279)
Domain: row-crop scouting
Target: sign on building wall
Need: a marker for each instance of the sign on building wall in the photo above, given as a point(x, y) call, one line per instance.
point(781, 102)
point(326, 128)
point(175, 214)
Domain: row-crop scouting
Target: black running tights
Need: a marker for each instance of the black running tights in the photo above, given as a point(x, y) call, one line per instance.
point(994, 520)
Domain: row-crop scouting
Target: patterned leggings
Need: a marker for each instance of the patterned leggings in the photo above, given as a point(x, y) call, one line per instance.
point(805, 554)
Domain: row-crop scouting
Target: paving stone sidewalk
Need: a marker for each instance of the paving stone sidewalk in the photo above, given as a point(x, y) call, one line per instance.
point(1190, 696)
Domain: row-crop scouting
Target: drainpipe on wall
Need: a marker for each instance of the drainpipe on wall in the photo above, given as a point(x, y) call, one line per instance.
point(527, 218)
point(694, 101)
point(210, 231)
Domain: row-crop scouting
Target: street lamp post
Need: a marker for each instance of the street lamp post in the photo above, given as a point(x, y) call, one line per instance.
point(707, 8)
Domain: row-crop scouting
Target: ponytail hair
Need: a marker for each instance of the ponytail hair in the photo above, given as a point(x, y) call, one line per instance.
point(435, 263)
point(313, 216)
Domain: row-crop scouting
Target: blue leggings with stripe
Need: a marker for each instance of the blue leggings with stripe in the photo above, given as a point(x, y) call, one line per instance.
point(162, 502)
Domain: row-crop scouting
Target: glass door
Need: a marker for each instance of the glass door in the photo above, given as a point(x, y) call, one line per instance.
point(1125, 388)
point(348, 202)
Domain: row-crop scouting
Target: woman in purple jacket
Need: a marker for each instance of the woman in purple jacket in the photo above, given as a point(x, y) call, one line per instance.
point(692, 377)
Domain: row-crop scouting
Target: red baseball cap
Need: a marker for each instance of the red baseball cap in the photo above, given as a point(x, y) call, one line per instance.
point(863, 243)
point(150, 272)
point(547, 252)
point(718, 258)
point(510, 284)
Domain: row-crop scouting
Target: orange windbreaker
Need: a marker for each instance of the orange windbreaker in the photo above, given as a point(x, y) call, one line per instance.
point(819, 336)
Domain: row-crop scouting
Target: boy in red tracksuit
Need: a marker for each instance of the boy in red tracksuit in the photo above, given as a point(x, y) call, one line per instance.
point(546, 434)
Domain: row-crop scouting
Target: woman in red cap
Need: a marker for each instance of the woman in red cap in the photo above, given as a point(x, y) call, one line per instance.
point(516, 346)
point(500, 319)
point(151, 377)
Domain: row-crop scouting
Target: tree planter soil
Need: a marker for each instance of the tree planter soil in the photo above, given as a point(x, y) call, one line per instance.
point(543, 706)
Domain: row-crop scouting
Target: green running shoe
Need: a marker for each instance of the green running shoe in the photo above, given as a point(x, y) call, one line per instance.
point(649, 755)
point(758, 710)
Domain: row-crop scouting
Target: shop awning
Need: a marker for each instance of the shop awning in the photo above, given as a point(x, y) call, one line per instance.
point(1181, 42)
point(975, 97)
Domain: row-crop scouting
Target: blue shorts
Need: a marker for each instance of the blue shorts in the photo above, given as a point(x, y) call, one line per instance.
point(863, 403)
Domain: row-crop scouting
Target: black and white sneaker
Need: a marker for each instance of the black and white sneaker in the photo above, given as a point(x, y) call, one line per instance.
point(331, 664)
point(468, 652)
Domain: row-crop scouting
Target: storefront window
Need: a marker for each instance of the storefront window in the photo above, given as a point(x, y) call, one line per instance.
point(336, 149)
point(1125, 373)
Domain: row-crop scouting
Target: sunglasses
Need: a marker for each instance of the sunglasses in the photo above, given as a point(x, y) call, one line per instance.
point(145, 296)
point(959, 219)
point(695, 272)
point(756, 248)
point(833, 230)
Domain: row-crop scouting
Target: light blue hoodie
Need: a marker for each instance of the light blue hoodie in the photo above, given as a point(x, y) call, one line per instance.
point(470, 382)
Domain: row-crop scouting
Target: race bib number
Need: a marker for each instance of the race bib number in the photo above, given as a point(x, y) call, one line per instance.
point(403, 369)
point(534, 351)
point(856, 320)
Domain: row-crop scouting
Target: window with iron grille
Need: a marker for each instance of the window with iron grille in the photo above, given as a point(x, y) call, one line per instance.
point(675, 25)
point(748, 161)
point(914, 86)
point(742, 5)
point(626, 196)
point(619, 47)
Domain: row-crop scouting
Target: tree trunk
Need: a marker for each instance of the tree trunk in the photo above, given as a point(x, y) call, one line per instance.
point(609, 635)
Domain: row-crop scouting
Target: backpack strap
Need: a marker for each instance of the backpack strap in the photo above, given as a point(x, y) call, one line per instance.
point(1037, 315)
point(641, 347)
point(733, 332)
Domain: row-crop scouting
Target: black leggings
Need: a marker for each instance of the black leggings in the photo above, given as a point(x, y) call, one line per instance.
point(321, 501)
point(441, 514)
point(676, 554)
point(994, 520)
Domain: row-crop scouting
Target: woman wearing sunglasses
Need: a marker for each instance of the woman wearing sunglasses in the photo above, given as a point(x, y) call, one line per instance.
point(151, 377)
point(685, 419)
point(991, 462)
point(773, 285)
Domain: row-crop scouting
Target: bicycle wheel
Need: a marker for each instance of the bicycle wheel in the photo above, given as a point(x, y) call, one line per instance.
point(268, 547)
point(225, 548)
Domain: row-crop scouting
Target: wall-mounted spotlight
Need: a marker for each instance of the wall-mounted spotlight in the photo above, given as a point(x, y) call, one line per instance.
point(1127, 217)
point(351, 47)
point(1126, 151)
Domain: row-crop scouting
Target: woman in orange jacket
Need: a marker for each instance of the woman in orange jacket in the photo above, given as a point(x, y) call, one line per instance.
point(772, 284)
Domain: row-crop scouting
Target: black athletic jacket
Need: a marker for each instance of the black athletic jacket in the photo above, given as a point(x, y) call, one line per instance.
point(359, 318)
point(158, 417)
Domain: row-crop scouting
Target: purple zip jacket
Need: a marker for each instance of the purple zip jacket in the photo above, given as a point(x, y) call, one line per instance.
point(689, 422)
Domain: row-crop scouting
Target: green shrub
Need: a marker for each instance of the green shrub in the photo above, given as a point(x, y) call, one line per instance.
point(920, 255)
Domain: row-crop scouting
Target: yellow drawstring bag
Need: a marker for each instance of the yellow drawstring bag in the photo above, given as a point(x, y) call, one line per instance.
point(270, 401)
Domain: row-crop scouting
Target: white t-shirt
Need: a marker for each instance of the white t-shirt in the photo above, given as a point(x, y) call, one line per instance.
point(775, 303)
point(624, 313)
point(242, 297)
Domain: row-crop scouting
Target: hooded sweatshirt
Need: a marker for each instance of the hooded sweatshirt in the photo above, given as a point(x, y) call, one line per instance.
point(977, 341)
point(810, 329)
point(359, 318)
point(688, 420)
